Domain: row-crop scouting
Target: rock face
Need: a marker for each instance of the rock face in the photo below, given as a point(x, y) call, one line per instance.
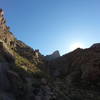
point(84, 60)
point(28, 52)
point(2, 21)
point(5, 35)
point(27, 75)
point(53, 56)
point(77, 71)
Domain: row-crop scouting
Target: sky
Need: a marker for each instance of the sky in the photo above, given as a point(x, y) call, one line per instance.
point(50, 25)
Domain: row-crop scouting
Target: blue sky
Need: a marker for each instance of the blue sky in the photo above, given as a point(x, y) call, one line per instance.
point(50, 25)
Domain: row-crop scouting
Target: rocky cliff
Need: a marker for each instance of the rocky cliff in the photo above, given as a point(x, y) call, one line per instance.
point(20, 75)
point(25, 74)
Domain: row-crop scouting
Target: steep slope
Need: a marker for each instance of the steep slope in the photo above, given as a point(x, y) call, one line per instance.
point(20, 75)
point(78, 60)
point(77, 73)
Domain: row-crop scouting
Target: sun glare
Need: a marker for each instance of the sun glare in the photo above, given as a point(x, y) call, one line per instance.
point(76, 45)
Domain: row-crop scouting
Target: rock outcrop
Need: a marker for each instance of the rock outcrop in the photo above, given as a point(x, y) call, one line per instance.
point(53, 56)
point(96, 45)
point(3, 21)
point(20, 75)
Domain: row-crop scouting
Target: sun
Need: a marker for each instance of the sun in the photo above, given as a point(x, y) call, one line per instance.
point(76, 45)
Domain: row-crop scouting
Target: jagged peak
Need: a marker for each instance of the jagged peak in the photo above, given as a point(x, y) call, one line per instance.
point(54, 55)
point(1, 12)
point(3, 25)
